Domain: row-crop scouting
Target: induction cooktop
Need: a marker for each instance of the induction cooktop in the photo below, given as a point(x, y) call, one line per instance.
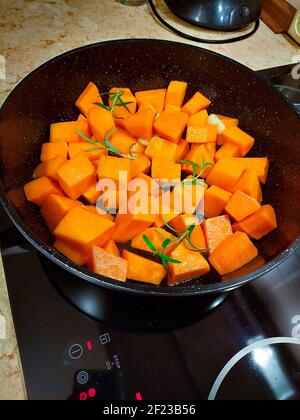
point(80, 342)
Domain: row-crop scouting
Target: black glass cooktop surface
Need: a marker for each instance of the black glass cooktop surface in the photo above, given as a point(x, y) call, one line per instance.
point(78, 341)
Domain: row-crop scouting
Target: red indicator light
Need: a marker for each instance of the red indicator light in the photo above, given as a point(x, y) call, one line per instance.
point(92, 393)
point(138, 396)
point(83, 396)
point(89, 346)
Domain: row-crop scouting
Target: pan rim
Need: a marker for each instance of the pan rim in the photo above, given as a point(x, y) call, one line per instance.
point(137, 288)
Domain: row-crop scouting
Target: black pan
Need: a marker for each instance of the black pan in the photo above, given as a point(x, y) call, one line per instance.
point(48, 94)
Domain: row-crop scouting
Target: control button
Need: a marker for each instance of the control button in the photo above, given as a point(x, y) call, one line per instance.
point(75, 351)
point(82, 377)
point(92, 393)
point(104, 339)
point(245, 12)
point(83, 396)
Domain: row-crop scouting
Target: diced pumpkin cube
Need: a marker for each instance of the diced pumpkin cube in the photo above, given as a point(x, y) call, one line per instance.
point(140, 125)
point(198, 154)
point(83, 147)
point(182, 222)
point(130, 225)
point(54, 150)
point(228, 150)
point(241, 206)
point(101, 122)
point(188, 196)
point(159, 147)
point(171, 125)
point(226, 174)
point(107, 264)
point(77, 257)
point(258, 224)
point(143, 270)
point(76, 176)
point(211, 149)
point(155, 98)
point(49, 168)
point(193, 265)
point(196, 104)
point(216, 230)
point(54, 209)
point(157, 236)
point(126, 144)
point(112, 248)
point(89, 96)
point(249, 184)
point(238, 137)
point(68, 131)
point(228, 121)
point(110, 168)
point(215, 201)
point(233, 253)
point(148, 184)
point(94, 210)
point(38, 191)
point(141, 165)
point(83, 229)
point(259, 165)
point(163, 208)
point(92, 194)
point(205, 134)
point(163, 169)
point(183, 149)
point(128, 98)
point(175, 95)
point(198, 120)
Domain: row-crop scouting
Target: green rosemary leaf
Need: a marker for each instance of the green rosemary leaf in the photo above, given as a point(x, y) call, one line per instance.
point(195, 166)
point(102, 105)
point(166, 243)
point(149, 244)
point(86, 138)
point(171, 260)
point(94, 149)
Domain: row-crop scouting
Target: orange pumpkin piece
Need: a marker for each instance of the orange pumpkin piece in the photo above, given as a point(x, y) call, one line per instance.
point(226, 173)
point(249, 184)
point(155, 98)
point(228, 150)
point(228, 121)
point(71, 252)
point(216, 230)
point(140, 125)
point(108, 265)
point(259, 165)
point(159, 147)
point(76, 176)
point(110, 168)
point(233, 253)
point(163, 209)
point(141, 165)
point(143, 270)
point(193, 265)
point(150, 184)
point(157, 236)
point(112, 248)
point(82, 229)
point(125, 143)
point(187, 196)
point(91, 194)
point(258, 224)
point(101, 122)
point(205, 134)
point(198, 154)
point(238, 137)
point(241, 206)
point(94, 210)
point(38, 190)
point(182, 222)
point(163, 169)
point(130, 225)
point(211, 149)
point(68, 131)
point(54, 209)
point(170, 125)
point(198, 120)
point(89, 96)
point(49, 168)
point(82, 147)
point(183, 149)
point(54, 150)
point(175, 95)
point(196, 104)
point(215, 201)
point(128, 98)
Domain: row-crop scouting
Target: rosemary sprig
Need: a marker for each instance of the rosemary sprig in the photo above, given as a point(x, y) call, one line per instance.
point(116, 99)
point(106, 145)
point(164, 258)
